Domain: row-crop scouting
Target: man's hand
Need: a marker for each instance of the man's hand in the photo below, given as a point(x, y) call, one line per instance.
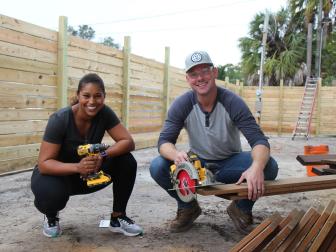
point(181, 156)
point(169, 151)
point(255, 182)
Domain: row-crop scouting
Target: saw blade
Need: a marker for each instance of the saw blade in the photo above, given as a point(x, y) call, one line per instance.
point(185, 187)
point(198, 186)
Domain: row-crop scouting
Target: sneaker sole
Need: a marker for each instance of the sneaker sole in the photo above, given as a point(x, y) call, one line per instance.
point(122, 231)
point(51, 236)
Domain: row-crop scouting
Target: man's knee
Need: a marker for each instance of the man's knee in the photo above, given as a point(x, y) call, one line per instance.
point(154, 168)
point(271, 170)
point(158, 167)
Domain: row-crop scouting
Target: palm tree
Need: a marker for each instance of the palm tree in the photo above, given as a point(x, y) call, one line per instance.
point(308, 10)
point(285, 49)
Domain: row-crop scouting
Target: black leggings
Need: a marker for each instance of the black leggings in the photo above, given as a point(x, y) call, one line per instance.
point(52, 192)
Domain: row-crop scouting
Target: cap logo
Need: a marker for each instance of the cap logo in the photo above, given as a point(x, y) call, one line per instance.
point(196, 57)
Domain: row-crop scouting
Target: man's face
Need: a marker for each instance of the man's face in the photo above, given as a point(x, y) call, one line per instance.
point(201, 78)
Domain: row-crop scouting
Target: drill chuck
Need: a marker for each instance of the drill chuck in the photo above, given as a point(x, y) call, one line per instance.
point(91, 149)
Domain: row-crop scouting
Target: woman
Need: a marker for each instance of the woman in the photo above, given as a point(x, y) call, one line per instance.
point(61, 173)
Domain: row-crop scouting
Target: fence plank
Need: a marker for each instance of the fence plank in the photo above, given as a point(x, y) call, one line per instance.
point(24, 39)
point(24, 114)
point(27, 101)
point(9, 88)
point(21, 26)
point(20, 139)
point(27, 65)
point(12, 75)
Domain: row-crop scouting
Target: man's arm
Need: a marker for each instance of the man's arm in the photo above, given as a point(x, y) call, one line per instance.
point(169, 151)
point(177, 114)
point(254, 175)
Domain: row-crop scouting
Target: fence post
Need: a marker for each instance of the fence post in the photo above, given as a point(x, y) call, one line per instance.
point(318, 117)
point(280, 115)
point(241, 88)
point(62, 63)
point(126, 80)
point(227, 81)
point(166, 84)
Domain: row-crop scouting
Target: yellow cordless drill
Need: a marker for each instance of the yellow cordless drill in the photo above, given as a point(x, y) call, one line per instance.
point(97, 178)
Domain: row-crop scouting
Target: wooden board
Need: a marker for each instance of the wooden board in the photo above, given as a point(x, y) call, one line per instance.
point(317, 227)
point(255, 232)
point(280, 186)
point(21, 26)
point(322, 235)
point(312, 215)
point(315, 159)
point(294, 217)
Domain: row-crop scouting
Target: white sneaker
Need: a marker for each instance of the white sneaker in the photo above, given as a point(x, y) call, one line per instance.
point(51, 227)
point(123, 224)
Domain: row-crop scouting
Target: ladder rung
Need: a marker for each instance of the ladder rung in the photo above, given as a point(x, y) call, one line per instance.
point(301, 134)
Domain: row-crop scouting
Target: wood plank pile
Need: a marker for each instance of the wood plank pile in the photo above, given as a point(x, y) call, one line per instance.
point(280, 186)
point(328, 162)
point(314, 230)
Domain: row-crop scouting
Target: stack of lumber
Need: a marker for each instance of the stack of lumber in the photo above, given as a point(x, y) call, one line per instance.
point(314, 230)
point(280, 186)
point(328, 162)
point(315, 159)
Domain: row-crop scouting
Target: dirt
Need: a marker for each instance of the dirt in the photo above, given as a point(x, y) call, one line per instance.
point(149, 206)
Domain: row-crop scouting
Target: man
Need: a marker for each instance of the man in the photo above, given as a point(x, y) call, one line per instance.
point(213, 118)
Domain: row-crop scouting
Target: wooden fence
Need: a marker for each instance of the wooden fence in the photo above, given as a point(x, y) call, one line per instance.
point(40, 70)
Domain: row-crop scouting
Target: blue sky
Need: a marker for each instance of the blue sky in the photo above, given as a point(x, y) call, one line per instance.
point(185, 25)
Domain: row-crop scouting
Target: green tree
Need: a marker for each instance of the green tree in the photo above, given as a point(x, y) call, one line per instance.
point(88, 33)
point(308, 10)
point(72, 31)
point(285, 50)
point(83, 31)
point(109, 41)
point(233, 72)
point(329, 60)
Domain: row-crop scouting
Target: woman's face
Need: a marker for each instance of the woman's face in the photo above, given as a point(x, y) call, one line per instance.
point(91, 99)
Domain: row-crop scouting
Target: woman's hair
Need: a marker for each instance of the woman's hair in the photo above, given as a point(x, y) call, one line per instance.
point(89, 78)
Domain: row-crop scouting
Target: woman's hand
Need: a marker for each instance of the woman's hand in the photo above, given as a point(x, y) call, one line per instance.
point(89, 164)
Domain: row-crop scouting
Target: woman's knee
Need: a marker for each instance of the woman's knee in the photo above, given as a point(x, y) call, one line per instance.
point(50, 192)
point(51, 188)
point(125, 162)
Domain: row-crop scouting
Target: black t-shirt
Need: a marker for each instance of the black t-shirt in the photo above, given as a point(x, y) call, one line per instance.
point(61, 129)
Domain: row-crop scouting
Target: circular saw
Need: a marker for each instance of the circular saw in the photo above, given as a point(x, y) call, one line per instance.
point(189, 175)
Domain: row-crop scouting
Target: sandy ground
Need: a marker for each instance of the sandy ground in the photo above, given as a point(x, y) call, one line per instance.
point(149, 206)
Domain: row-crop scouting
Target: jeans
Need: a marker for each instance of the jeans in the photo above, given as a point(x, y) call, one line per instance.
point(227, 171)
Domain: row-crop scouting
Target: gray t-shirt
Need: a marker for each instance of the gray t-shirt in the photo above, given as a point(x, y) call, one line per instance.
point(214, 135)
point(61, 129)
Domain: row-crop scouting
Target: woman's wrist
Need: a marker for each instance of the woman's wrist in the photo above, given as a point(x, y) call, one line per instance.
point(104, 155)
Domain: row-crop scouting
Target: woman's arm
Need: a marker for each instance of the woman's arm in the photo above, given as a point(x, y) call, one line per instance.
point(48, 163)
point(123, 141)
